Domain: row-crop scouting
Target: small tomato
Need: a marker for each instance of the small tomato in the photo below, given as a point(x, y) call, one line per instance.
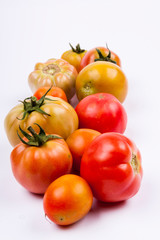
point(67, 199)
point(99, 54)
point(54, 92)
point(74, 56)
point(77, 142)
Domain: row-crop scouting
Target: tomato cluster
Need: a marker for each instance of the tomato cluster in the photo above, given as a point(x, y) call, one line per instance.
point(74, 153)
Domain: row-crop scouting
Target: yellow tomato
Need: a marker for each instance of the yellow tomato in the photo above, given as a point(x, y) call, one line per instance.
point(74, 56)
point(103, 77)
point(55, 72)
point(55, 116)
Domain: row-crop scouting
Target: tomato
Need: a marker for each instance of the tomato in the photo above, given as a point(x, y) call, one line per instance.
point(102, 112)
point(74, 56)
point(53, 114)
point(102, 77)
point(112, 167)
point(38, 162)
point(54, 92)
point(77, 142)
point(56, 72)
point(67, 199)
point(92, 54)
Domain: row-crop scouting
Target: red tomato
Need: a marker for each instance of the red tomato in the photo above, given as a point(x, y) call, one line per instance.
point(67, 199)
point(112, 167)
point(102, 112)
point(35, 166)
point(92, 54)
point(77, 142)
point(54, 92)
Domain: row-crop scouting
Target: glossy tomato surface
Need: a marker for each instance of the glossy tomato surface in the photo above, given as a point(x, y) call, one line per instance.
point(54, 92)
point(112, 167)
point(61, 119)
point(102, 77)
point(92, 54)
point(54, 72)
point(67, 200)
point(77, 142)
point(102, 112)
point(74, 56)
point(36, 167)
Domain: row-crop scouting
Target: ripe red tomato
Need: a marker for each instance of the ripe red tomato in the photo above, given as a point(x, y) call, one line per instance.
point(35, 166)
point(112, 167)
point(67, 199)
point(102, 112)
point(77, 142)
point(54, 92)
point(92, 54)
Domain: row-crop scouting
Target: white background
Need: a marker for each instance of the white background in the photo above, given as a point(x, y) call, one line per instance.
point(34, 31)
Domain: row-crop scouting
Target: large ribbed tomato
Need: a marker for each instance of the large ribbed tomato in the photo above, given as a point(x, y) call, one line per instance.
point(54, 72)
point(112, 167)
point(54, 115)
point(38, 162)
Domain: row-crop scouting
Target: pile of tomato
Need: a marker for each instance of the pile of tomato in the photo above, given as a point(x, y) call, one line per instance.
point(74, 153)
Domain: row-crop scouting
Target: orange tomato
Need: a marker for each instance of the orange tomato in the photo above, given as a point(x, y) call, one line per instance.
point(54, 92)
point(74, 56)
point(77, 142)
point(67, 200)
point(102, 77)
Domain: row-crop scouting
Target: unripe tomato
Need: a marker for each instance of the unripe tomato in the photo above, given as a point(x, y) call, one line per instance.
point(67, 199)
point(74, 56)
point(104, 77)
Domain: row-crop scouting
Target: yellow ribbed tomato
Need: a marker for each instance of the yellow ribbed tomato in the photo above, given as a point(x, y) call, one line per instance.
point(53, 114)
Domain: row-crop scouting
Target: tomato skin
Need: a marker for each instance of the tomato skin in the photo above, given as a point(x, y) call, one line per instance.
point(54, 72)
point(92, 54)
point(102, 112)
point(110, 169)
point(77, 142)
point(63, 119)
point(36, 167)
point(67, 199)
point(102, 77)
point(54, 92)
point(73, 58)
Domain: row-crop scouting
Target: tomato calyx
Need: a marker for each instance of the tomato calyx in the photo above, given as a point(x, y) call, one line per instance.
point(51, 69)
point(135, 163)
point(32, 104)
point(36, 139)
point(77, 49)
point(104, 58)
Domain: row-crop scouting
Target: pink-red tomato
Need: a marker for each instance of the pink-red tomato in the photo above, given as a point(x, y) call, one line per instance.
point(112, 167)
point(54, 92)
point(77, 142)
point(102, 112)
point(92, 54)
point(67, 200)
